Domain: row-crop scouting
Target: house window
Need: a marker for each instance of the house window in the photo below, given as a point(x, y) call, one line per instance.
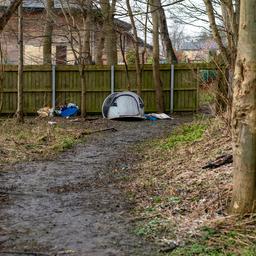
point(61, 54)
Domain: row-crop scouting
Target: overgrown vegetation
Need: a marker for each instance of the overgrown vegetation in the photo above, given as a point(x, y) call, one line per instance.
point(186, 133)
point(179, 201)
point(36, 138)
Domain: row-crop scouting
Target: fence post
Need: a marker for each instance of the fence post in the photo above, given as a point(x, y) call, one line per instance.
point(171, 88)
point(112, 78)
point(53, 86)
point(197, 88)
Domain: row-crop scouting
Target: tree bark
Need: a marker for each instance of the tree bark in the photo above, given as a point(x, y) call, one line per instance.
point(170, 54)
point(244, 114)
point(215, 31)
point(86, 48)
point(19, 112)
point(8, 13)
point(109, 30)
point(156, 67)
point(136, 46)
point(47, 43)
point(99, 48)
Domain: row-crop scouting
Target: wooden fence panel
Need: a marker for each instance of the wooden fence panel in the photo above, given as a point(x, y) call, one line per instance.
point(38, 86)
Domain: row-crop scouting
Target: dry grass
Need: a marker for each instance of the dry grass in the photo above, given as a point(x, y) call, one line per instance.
point(36, 138)
point(169, 185)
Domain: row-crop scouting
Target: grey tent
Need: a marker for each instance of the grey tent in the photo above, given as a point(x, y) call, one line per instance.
point(123, 105)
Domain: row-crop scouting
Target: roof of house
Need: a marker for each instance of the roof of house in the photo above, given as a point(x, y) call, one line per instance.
point(198, 45)
point(39, 5)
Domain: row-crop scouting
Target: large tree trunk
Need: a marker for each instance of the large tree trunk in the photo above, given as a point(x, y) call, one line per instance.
point(136, 46)
point(47, 43)
point(156, 67)
point(86, 48)
point(109, 31)
point(19, 112)
point(99, 47)
point(8, 13)
point(244, 114)
point(170, 54)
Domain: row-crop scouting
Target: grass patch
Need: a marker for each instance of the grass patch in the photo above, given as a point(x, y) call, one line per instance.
point(230, 237)
point(152, 228)
point(36, 139)
point(206, 97)
point(186, 133)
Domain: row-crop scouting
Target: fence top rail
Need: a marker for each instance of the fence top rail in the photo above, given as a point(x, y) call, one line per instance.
point(181, 66)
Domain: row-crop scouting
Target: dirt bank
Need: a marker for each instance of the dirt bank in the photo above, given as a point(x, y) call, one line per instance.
point(70, 205)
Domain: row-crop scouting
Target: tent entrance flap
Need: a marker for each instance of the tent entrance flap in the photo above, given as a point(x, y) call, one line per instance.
point(127, 106)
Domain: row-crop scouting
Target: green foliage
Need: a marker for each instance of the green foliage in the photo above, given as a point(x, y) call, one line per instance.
point(153, 228)
point(250, 251)
point(199, 250)
point(131, 57)
point(206, 97)
point(67, 143)
point(150, 60)
point(225, 244)
point(174, 199)
point(187, 133)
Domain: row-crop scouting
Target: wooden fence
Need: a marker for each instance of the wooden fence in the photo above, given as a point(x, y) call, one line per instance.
point(38, 86)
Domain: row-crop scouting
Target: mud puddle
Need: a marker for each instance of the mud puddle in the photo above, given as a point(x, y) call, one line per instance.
point(71, 206)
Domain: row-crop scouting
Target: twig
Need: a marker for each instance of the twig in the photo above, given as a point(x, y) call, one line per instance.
point(97, 131)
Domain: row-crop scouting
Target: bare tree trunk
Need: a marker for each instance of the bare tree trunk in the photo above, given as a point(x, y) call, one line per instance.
point(125, 63)
point(156, 67)
point(47, 43)
point(86, 49)
point(19, 112)
point(145, 37)
point(83, 89)
point(99, 48)
point(215, 31)
point(8, 13)
point(244, 114)
point(170, 54)
point(109, 30)
point(136, 46)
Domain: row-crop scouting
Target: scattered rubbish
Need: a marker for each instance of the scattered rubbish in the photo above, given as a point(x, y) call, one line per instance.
point(154, 116)
point(52, 122)
point(44, 112)
point(219, 161)
point(150, 118)
point(70, 110)
point(123, 105)
point(66, 111)
point(74, 120)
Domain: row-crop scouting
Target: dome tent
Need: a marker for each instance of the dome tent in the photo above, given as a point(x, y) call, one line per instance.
point(123, 105)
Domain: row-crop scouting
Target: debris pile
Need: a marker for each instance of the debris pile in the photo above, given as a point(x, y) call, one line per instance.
point(68, 110)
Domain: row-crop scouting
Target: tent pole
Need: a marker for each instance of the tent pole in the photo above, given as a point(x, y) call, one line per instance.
point(171, 88)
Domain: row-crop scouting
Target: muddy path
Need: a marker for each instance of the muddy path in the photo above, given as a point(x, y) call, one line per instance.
point(71, 205)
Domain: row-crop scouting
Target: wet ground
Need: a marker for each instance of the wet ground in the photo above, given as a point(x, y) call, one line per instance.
point(71, 205)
